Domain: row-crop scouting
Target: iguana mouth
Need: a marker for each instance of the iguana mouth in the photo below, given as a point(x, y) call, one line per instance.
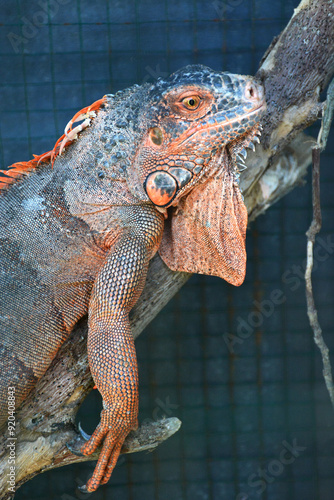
point(191, 133)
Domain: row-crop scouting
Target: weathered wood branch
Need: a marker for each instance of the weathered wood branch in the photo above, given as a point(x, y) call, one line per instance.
point(295, 69)
point(311, 234)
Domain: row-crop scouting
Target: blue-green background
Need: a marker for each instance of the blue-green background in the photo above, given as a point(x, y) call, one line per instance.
point(238, 409)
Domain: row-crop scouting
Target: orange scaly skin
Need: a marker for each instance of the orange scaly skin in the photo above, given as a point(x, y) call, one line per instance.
point(153, 169)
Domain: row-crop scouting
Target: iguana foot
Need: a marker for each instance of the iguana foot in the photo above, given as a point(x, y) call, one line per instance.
point(112, 431)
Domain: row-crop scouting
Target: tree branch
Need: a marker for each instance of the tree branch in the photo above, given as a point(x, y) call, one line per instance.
point(295, 69)
point(311, 234)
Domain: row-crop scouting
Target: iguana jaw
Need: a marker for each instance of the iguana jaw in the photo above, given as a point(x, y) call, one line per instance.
point(238, 148)
point(177, 169)
point(193, 133)
point(237, 153)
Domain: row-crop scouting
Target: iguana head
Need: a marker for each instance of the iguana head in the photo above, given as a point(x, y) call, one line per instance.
point(192, 117)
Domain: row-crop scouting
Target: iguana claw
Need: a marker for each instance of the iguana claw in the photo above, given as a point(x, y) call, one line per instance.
point(75, 445)
point(74, 450)
point(83, 433)
point(83, 489)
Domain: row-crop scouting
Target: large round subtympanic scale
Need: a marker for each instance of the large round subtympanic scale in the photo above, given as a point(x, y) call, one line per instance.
point(160, 187)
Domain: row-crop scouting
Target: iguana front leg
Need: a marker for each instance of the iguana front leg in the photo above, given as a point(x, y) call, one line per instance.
point(111, 350)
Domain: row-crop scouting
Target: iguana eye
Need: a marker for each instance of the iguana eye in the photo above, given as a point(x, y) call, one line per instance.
point(191, 102)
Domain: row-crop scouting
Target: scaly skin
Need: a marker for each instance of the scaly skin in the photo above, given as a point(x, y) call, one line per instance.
point(77, 233)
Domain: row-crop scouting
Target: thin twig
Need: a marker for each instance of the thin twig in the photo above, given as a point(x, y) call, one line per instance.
point(311, 233)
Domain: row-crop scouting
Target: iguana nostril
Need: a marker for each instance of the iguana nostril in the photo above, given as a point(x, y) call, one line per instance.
point(253, 92)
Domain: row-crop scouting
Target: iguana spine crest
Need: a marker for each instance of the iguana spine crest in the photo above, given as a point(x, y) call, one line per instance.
point(19, 169)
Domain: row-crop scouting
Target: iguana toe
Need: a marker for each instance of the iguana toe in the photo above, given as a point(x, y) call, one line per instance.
point(107, 460)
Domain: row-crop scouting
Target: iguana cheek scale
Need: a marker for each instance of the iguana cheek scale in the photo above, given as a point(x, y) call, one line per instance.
point(152, 168)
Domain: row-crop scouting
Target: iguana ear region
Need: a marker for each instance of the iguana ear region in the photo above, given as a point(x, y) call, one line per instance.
point(161, 186)
point(206, 234)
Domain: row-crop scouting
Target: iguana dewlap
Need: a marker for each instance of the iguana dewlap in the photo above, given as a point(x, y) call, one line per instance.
point(154, 169)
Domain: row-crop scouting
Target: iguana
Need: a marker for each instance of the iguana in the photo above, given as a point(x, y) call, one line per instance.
point(154, 168)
